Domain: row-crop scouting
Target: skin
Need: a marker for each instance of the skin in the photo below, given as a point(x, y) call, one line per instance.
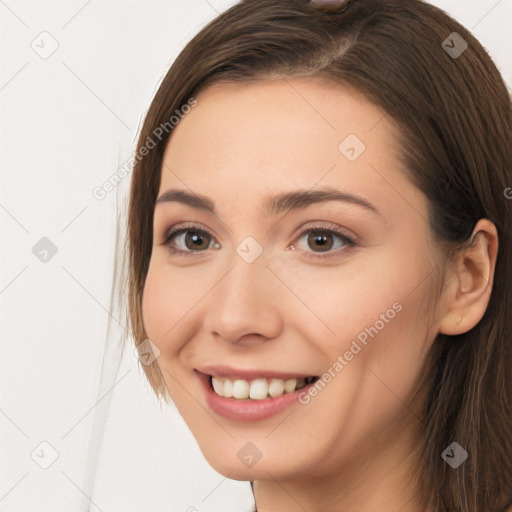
point(354, 445)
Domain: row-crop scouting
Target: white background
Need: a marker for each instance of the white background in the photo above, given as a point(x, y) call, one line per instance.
point(67, 123)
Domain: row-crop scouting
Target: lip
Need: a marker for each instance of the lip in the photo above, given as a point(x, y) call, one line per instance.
point(248, 410)
point(248, 374)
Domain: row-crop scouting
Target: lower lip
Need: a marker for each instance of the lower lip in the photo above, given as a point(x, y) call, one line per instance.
point(247, 410)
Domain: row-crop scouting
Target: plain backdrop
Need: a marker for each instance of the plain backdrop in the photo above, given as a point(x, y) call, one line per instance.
point(80, 428)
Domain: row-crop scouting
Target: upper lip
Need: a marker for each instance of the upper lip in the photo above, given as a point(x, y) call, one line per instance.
point(248, 374)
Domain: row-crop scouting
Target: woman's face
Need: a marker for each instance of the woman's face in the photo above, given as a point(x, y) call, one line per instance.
point(306, 284)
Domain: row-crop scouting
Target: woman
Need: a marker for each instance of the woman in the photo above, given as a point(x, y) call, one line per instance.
point(319, 251)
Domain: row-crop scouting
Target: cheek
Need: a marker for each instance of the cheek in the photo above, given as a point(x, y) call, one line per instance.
point(339, 303)
point(161, 301)
point(171, 304)
point(371, 310)
point(374, 359)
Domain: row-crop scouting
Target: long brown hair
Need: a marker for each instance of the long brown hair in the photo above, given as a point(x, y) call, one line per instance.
point(454, 116)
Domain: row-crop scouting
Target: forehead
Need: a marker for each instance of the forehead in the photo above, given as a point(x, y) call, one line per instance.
point(271, 136)
point(287, 119)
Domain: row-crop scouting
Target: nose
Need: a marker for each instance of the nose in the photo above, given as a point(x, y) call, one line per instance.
point(244, 306)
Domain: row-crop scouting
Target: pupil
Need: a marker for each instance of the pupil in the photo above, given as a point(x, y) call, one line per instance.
point(320, 239)
point(196, 240)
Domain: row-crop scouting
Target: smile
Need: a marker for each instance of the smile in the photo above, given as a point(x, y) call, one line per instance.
point(257, 389)
point(246, 396)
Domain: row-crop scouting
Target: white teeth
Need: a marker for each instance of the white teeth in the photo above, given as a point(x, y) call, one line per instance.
point(218, 386)
point(257, 389)
point(227, 389)
point(276, 387)
point(289, 385)
point(241, 389)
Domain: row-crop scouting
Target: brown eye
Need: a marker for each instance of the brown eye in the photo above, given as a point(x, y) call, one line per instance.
point(195, 240)
point(320, 240)
point(188, 240)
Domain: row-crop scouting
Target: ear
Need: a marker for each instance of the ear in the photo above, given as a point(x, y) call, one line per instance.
point(472, 284)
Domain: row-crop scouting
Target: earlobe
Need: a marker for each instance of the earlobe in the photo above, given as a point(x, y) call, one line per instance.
point(452, 324)
point(474, 275)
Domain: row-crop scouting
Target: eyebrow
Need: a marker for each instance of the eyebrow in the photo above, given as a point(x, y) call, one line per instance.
point(272, 204)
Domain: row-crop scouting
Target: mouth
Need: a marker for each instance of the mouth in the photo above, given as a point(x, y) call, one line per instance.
point(243, 396)
point(257, 389)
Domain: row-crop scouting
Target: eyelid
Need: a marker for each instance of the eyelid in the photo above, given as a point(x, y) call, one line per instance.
point(349, 240)
point(328, 227)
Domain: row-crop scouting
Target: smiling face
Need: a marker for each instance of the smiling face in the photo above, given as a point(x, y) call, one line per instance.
point(331, 284)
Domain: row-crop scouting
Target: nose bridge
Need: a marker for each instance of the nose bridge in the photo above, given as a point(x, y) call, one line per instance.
point(249, 276)
point(244, 301)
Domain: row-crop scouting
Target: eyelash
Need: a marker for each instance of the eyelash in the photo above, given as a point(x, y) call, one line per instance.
point(171, 234)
